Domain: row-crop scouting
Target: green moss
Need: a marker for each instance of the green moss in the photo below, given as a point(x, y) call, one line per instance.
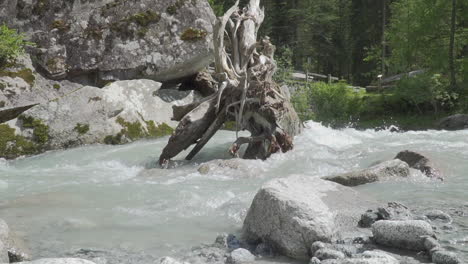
point(158, 131)
point(145, 18)
point(93, 32)
point(171, 10)
point(113, 140)
point(52, 64)
point(81, 128)
point(94, 99)
point(134, 131)
point(2, 103)
point(56, 86)
point(12, 146)
point(61, 25)
point(193, 34)
point(230, 125)
point(25, 74)
point(2, 86)
point(41, 7)
point(142, 32)
point(40, 130)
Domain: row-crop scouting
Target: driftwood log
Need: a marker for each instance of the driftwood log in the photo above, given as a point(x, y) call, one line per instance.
point(246, 94)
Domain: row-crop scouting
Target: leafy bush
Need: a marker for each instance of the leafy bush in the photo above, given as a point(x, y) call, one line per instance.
point(11, 44)
point(425, 93)
point(333, 104)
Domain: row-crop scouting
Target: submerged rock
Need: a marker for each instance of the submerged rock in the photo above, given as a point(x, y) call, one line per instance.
point(407, 234)
point(240, 256)
point(445, 257)
point(385, 170)
point(454, 122)
point(291, 213)
point(438, 215)
point(116, 40)
point(419, 162)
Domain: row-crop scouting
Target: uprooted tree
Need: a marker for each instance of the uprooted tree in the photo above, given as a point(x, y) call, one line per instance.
point(246, 94)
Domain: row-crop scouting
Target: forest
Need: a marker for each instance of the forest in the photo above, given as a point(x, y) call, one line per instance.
point(360, 40)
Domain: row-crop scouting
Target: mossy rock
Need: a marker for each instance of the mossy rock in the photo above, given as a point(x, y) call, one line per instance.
point(134, 131)
point(56, 86)
point(193, 34)
point(145, 18)
point(13, 146)
point(81, 128)
point(61, 25)
point(25, 74)
point(40, 130)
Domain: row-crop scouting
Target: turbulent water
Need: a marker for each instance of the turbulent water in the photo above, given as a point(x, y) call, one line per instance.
point(113, 199)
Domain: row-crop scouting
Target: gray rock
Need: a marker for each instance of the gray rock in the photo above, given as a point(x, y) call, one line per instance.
point(445, 257)
point(121, 112)
point(402, 234)
point(3, 253)
point(368, 218)
point(454, 122)
point(346, 249)
point(430, 243)
point(367, 257)
point(316, 246)
point(206, 254)
point(326, 253)
point(169, 260)
point(314, 260)
point(438, 215)
point(420, 162)
point(385, 170)
point(394, 211)
point(116, 40)
point(264, 250)
point(241, 256)
point(58, 261)
point(291, 213)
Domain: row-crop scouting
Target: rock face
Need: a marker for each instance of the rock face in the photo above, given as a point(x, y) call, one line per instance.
point(408, 234)
point(115, 39)
point(454, 122)
point(419, 162)
point(69, 114)
point(291, 213)
point(385, 170)
point(58, 261)
point(241, 256)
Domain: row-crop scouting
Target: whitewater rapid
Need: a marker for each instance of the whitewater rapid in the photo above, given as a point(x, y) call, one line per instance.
point(114, 199)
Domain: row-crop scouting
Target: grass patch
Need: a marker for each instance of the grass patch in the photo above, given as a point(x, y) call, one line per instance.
point(40, 130)
point(13, 146)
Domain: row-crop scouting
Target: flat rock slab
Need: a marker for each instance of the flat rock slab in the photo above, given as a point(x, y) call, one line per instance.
point(409, 234)
point(385, 170)
point(292, 213)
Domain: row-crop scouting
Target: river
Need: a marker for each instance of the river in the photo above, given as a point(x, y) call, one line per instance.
point(114, 199)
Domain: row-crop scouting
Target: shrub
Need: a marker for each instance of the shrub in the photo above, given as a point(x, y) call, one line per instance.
point(11, 44)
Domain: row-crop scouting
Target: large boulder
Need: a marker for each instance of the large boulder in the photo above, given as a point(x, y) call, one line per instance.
point(115, 39)
point(454, 122)
point(58, 261)
point(420, 162)
point(409, 234)
point(121, 112)
point(292, 213)
point(385, 170)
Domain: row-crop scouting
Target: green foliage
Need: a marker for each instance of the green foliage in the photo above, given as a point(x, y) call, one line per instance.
point(56, 86)
point(217, 6)
point(11, 45)
point(40, 130)
point(425, 93)
point(134, 131)
point(333, 104)
point(12, 146)
point(284, 64)
point(81, 128)
point(193, 34)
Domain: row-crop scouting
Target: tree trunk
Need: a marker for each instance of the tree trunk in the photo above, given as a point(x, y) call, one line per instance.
point(453, 82)
point(246, 93)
